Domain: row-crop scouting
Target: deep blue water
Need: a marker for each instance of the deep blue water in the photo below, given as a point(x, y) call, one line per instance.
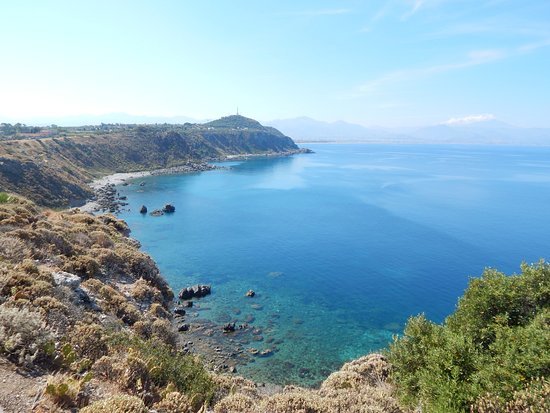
point(343, 245)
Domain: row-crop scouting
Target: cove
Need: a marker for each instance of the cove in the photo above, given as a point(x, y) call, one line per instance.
point(343, 245)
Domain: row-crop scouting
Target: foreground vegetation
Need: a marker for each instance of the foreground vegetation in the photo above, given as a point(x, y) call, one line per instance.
point(491, 355)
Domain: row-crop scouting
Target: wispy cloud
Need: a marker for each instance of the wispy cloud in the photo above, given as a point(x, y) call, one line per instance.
point(417, 4)
point(474, 58)
point(322, 12)
point(465, 120)
point(529, 47)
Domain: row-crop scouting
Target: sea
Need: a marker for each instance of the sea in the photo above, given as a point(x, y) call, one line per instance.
point(342, 246)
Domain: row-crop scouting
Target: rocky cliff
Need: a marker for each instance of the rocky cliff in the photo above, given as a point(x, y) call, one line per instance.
point(54, 171)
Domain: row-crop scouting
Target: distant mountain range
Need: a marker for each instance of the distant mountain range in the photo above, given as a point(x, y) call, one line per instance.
point(488, 131)
point(304, 129)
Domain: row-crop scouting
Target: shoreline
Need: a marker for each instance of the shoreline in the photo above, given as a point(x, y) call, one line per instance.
point(105, 197)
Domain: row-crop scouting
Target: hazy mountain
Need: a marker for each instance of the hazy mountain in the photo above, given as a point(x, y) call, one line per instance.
point(490, 131)
point(307, 129)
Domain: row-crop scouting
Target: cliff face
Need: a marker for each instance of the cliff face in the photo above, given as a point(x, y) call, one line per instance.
point(54, 171)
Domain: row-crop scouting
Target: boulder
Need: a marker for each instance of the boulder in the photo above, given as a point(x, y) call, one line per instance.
point(184, 327)
point(156, 213)
point(169, 208)
point(197, 291)
point(229, 328)
point(250, 293)
point(201, 290)
point(143, 209)
point(179, 311)
point(66, 279)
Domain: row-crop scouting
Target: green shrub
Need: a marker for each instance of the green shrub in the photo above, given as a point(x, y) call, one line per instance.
point(166, 365)
point(67, 391)
point(496, 342)
point(4, 198)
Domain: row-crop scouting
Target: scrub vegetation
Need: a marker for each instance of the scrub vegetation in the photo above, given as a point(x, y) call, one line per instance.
point(491, 354)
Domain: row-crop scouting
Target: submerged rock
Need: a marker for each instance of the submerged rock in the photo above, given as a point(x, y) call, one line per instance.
point(156, 213)
point(229, 328)
point(169, 208)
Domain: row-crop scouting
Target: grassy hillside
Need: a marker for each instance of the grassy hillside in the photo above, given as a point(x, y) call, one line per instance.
point(53, 171)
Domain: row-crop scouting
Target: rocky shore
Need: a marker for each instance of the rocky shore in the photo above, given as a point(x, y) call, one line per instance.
point(108, 199)
point(265, 155)
point(226, 345)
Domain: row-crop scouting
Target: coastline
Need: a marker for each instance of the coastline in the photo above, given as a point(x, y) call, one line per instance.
point(105, 198)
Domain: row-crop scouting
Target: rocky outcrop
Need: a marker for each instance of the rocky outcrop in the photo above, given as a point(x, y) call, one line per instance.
point(143, 209)
point(196, 291)
point(169, 208)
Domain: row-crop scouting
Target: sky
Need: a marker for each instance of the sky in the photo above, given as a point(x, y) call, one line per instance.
point(390, 63)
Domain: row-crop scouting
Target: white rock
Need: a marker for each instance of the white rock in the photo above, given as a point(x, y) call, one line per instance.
point(66, 279)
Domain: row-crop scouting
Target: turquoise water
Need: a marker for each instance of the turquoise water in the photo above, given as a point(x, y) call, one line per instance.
point(343, 245)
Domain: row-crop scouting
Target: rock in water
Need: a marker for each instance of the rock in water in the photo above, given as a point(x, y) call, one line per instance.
point(169, 208)
point(143, 209)
point(156, 213)
point(229, 328)
point(250, 293)
point(195, 291)
point(179, 311)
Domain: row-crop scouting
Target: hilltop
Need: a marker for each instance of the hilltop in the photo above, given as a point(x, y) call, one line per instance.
point(52, 166)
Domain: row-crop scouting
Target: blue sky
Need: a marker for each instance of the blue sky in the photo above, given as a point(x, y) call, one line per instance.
point(387, 63)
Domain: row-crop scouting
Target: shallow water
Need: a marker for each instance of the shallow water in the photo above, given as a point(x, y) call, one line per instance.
point(343, 245)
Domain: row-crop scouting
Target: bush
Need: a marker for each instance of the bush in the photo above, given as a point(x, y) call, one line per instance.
point(535, 398)
point(117, 404)
point(174, 402)
point(235, 403)
point(88, 341)
point(497, 341)
point(24, 337)
point(5, 198)
point(13, 249)
point(67, 391)
point(166, 365)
